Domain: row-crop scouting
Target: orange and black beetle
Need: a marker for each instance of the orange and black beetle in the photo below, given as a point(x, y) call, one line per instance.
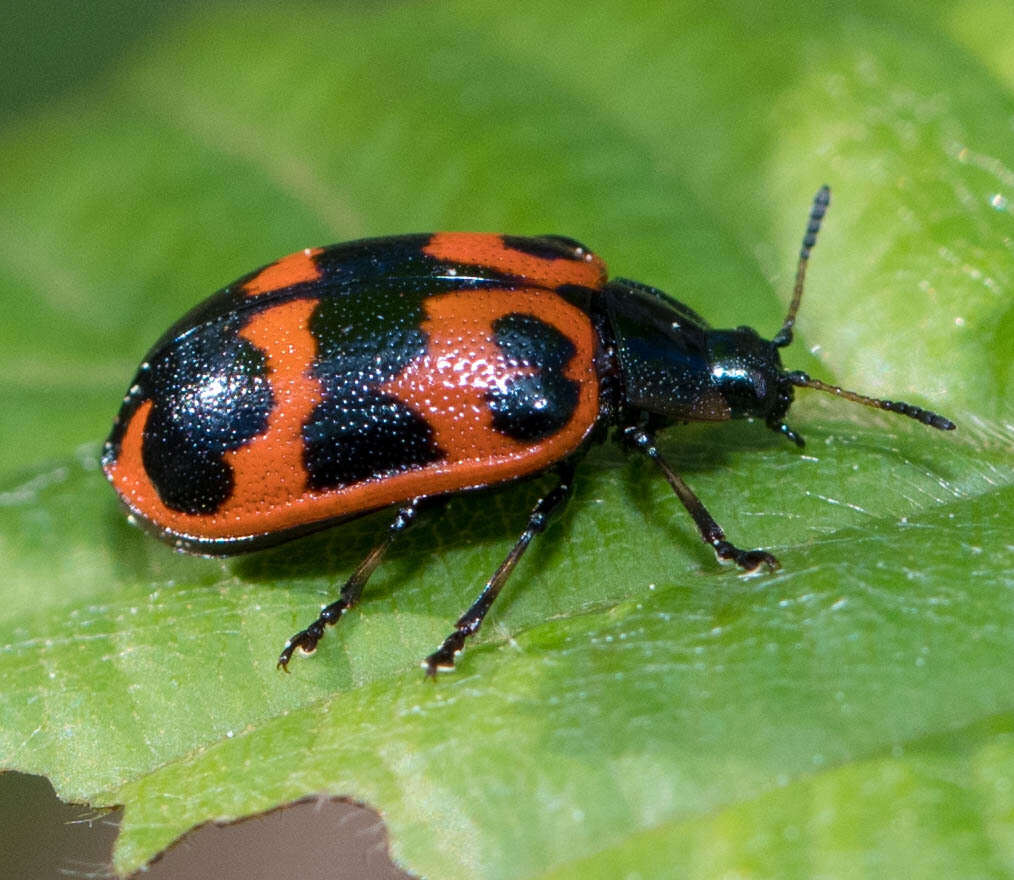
point(383, 372)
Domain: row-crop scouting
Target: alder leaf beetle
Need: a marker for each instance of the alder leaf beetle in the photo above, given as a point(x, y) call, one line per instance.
point(393, 372)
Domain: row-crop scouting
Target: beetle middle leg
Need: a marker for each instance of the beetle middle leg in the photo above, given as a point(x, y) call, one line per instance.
point(643, 440)
point(306, 640)
point(469, 622)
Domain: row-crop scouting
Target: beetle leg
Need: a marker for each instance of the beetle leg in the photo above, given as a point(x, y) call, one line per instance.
point(306, 640)
point(469, 623)
point(711, 532)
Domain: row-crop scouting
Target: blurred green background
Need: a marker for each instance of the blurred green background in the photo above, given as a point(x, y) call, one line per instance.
point(629, 709)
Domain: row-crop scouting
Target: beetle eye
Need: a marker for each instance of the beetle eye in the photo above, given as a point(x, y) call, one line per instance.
point(760, 384)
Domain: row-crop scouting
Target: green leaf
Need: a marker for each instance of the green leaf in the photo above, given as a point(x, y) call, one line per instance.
point(631, 707)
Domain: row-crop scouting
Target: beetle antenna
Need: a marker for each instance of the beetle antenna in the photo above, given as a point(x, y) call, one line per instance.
point(801, 380)
point(820, 203)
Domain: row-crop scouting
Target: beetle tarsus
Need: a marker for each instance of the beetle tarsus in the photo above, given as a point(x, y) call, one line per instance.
point(780, 427)
point(443, 657)
point(749, 560)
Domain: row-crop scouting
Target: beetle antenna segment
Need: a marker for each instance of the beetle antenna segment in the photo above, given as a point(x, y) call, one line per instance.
point(801, 380)
point(820, 204)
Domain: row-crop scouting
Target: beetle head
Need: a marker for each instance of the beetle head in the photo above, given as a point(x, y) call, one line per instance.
point(747, 370)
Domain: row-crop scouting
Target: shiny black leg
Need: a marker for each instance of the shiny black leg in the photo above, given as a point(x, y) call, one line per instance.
point(643, 441)
point(471, 620)
point(306, 640)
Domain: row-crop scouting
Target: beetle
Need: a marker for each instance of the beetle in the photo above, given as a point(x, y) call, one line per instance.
point(394, 372)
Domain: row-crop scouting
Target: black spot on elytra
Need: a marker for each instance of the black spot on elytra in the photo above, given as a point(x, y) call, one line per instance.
point(210, 395)
point(350, 439)
point(578, 295)
point(537, 405)
point(547, 247)
point(365, 338)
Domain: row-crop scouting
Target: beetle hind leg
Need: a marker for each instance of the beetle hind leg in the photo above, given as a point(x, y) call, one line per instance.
point(306, 640)
point(712, 533)
point(469, 622)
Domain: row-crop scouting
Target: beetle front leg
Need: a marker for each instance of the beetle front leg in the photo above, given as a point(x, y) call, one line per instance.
point(469, 622)
point(306, 640)
point(711, 532)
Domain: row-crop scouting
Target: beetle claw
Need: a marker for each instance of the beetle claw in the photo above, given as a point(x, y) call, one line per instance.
point(443, 657)
point(748, 560)
point(305, 641)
